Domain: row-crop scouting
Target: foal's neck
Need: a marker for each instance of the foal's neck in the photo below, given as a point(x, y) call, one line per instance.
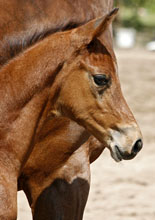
point(24, 90)
point(32, 71)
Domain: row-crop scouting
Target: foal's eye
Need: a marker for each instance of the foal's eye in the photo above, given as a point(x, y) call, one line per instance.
point(101, 80)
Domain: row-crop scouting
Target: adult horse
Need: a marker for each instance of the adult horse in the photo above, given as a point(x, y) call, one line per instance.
point(33, 98)
point(22, 23)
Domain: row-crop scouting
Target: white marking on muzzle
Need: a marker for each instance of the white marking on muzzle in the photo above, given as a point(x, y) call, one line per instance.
point(123, 140)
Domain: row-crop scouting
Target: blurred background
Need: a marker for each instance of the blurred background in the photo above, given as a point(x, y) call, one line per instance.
point(126, 190)
point(135, 24)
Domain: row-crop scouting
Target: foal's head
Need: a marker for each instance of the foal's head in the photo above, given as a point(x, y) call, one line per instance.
point(87, 90)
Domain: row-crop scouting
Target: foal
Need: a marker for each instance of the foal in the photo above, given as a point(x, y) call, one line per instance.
point(56, 176)
point(63, 75)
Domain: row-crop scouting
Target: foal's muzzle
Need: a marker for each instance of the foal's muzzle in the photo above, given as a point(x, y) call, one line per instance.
point(125, 143)
point(128, 156)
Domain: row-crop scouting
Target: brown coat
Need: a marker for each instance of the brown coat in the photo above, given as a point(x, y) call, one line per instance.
point(27, 116)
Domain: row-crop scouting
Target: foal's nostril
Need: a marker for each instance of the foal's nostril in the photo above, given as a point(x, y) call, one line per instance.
point(137, 146)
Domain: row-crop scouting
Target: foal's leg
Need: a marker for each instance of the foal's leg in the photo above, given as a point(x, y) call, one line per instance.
point(65, 195)
point(62, 200)
point(8, 195)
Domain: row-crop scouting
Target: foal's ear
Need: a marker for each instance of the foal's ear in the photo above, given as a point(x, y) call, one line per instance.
point(95, 27)
point(102, 23)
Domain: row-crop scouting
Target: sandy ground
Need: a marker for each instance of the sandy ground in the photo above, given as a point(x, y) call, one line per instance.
point(126, 190)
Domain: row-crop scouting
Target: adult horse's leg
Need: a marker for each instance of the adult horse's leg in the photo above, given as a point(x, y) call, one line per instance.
point(65, 196)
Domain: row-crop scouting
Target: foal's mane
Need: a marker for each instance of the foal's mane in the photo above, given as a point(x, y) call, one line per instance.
point(15, 44)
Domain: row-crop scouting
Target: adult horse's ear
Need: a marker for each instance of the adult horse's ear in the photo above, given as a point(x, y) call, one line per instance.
point(86, 33)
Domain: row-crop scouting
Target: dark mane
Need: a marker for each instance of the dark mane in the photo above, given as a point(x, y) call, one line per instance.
point(11, 46)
